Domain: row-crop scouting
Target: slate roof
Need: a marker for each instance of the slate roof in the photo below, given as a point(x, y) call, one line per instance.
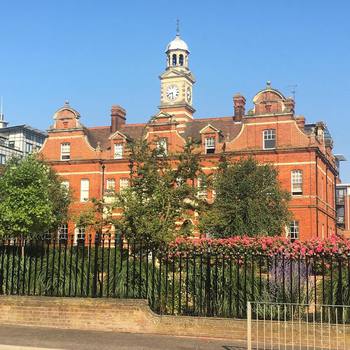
point(229, 130)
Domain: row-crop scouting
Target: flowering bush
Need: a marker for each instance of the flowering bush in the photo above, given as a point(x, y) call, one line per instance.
point(268, 246)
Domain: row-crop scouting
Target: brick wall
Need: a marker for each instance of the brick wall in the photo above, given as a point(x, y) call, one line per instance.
point(134, 316)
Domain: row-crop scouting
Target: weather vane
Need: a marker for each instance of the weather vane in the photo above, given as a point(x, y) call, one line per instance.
point(177, 27)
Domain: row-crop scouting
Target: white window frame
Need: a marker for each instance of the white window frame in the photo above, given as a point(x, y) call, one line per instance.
point(297, 182)
point(123, 183)
point(202, 189)
point(110, 185)
point(294, 230)
point(209, 144)
point(84, 190)
point(62, 232)
point(79, 234)
point(65, 184)
point(268, 135)
point(65, 151)
point(29, 147)
point(118, 150)
point(2, 159)
point(162, 145)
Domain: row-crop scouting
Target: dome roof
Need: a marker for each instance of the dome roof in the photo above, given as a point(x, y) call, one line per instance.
point(177, 44)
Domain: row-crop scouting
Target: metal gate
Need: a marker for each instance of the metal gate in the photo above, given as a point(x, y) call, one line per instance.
point(297, 326)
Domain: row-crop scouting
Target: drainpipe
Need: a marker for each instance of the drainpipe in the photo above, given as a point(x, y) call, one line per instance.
point(102, 180)
point(316, 197)
point(327, 207)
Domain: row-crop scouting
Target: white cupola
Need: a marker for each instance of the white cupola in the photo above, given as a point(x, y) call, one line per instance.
point(177, 52)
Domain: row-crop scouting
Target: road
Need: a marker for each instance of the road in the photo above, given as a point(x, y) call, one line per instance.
point(30, 338)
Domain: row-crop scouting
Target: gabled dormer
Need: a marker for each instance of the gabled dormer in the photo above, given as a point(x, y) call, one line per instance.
point(210, 138)
point(118, 142)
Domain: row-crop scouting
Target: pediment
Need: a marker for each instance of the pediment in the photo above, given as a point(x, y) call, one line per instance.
point(163, 116)
point(209, 128)
point(172, 74)
point(117, 135)
point(177, 74)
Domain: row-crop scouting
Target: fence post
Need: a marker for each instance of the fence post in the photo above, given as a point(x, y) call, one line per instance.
point(95, 278)
point(249, 326)
point(208, 286)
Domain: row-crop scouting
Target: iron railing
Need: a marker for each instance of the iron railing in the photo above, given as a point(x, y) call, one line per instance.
point(297, 326)
point(199, 282)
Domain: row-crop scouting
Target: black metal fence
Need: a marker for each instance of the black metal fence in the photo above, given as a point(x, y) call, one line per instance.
point(203, 282)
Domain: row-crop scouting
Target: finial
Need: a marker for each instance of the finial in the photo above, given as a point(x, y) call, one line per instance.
point(177, 27)
point(66, 103)
point(268, 84)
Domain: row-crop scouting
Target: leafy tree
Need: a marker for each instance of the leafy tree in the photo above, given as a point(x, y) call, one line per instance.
point(32, 198)
point(98, 215)
point(249, 201)
point(161, 192)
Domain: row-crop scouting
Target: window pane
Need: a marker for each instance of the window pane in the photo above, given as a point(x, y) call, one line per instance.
point(65, 151)
point(202, 187)
point(209, 145)
point(29, 147)
point(63, 232)
point(297, 182)
point(118, 151)
point(79, 234)
point(294, 230)
point(84, 190)
point(162, 146)
point(110, 184)
point(2, 158)
point(123, 183)
point(269, 139)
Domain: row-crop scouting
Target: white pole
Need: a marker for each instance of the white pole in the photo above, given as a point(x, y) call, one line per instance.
point(249, 326)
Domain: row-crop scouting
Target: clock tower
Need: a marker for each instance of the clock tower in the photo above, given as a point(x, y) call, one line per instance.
point(177, 82)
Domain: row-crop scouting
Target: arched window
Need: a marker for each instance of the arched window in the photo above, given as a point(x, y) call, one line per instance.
point(174, 60)
point(181, 60)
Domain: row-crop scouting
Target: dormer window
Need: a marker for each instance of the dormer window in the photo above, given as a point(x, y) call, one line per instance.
point(65, 151)
point(209, 144)
point(269, 139)
point(118, 151)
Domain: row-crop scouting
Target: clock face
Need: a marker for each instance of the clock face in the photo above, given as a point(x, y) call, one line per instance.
point(172, 92)
point(188, 94)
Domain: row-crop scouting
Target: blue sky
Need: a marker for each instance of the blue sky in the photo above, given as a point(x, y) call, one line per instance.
point(99, 53)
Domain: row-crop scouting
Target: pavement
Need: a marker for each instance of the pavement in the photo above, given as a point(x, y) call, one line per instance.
point(30, 338)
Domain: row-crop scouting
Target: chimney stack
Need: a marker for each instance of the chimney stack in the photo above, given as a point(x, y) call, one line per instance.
point(117, 118)
point(239, 106)
point(289, 104)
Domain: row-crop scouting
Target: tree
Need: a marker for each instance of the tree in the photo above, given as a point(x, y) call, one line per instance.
point(32, 198)
point(249, 201)
point(161, 192)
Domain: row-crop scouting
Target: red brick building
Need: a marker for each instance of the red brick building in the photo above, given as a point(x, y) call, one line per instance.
point(93, 159)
